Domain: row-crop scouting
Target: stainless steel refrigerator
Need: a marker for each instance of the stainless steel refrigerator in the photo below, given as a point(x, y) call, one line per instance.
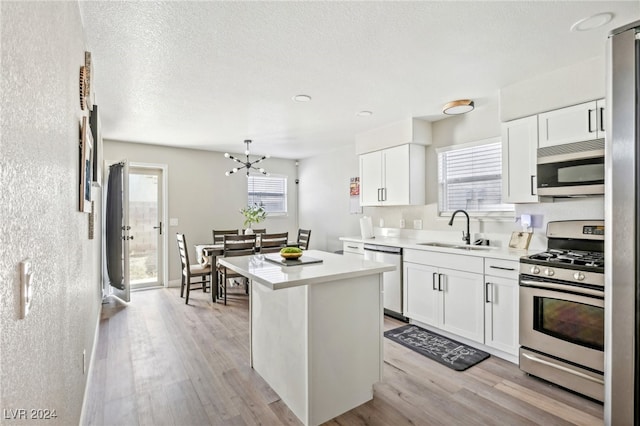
point(622, 227)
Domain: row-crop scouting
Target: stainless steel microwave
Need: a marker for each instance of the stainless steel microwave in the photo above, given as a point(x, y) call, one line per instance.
point(573, 169)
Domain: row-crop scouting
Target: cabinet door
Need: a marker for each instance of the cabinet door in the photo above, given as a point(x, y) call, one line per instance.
point(396, 176)
point(519, 144)
point(371, 179)
point(421, 299)
point(566, 125)
point(501, 314)
point(462, 304)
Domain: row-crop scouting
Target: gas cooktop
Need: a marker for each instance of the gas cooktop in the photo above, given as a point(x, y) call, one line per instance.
point(570, 257)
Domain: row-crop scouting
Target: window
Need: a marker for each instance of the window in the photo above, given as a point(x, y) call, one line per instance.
point(269, 192)
point(470, 178)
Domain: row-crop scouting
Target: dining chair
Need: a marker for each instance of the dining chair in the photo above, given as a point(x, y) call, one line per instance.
point(192, 274)
point(256, 231)
point(304, 235)
point(233, 245)
point(218, 234)
point(272, 243)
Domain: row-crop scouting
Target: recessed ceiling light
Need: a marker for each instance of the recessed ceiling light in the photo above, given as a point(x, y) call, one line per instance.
point(592, 22)
point(364, 113)
point(458, 107)
point(302, 98)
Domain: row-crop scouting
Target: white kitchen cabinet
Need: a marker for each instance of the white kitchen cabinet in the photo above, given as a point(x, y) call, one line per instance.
point(450, 299)
point(572, 124)
point(501, 295)
point(393, 176)
point(519, 145)
point(355, 249)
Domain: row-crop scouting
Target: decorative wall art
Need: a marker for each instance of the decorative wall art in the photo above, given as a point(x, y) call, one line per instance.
point(88, 75)
point(86, 166)
point(354, 196)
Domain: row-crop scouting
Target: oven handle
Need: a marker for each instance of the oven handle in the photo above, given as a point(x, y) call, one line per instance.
point(560, 287)
point(563, 368)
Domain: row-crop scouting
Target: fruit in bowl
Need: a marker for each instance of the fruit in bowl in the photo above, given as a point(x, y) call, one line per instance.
point(290, 252)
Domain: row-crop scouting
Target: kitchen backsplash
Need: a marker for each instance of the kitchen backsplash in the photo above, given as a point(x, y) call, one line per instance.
point(388, 221)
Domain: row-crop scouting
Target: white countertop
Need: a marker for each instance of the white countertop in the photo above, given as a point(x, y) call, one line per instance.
point(408, 243)
point(333, 267)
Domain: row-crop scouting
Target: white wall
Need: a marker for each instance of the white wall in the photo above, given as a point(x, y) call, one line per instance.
point(201, 197)
point(41, 365)
point(324, 197)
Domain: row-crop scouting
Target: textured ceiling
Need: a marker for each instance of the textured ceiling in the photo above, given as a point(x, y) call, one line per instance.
point(208, 75)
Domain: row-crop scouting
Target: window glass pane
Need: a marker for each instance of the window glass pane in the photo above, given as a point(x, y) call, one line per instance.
point(470, 178)
point(269, 192)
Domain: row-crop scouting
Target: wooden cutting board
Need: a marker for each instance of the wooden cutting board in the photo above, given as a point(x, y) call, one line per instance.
point(520, 240)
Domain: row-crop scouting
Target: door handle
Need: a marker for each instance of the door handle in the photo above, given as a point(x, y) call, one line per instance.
point(384, 194)
point(602, 119)
point(589, 120)
point(439, 282)
point(379, 194)
point(159, 227)
point(486, 292)
point(532, 185)
point(434, 281)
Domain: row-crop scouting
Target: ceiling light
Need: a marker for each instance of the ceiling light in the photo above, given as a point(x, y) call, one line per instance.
point(458, 107)
point(302, 98)
point(364, 113)
point(246, 164)
point(592, 22)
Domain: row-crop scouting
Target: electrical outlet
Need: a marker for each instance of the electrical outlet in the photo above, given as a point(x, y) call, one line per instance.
point(402, 223)
point(417, 224)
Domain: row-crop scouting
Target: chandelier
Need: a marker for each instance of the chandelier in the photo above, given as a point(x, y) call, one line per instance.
point(246, 164)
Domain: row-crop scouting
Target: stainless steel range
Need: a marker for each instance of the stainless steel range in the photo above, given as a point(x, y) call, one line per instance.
point(562, 308)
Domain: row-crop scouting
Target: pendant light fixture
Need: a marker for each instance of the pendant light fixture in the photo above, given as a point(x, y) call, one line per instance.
point(461, 106)
point(247, 163)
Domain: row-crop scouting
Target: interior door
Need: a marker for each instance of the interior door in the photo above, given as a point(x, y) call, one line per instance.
point(117, 231)
point(146, 234)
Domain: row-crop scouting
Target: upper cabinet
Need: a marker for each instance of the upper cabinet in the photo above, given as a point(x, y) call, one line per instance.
point(572, 124)
point(393, 176)
point(519, 144)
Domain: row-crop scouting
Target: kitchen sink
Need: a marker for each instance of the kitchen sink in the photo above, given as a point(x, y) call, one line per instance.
point(456, 246)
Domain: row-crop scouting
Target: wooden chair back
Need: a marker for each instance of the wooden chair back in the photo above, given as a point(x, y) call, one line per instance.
point(272, 243)
point(238, 245)
point(219, 234)
point(184, 254)
point(304, 235)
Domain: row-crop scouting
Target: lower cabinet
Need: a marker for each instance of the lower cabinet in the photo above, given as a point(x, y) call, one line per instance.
point(501, 305)
point(445, 298)
point(469, 296)
point(354, 249)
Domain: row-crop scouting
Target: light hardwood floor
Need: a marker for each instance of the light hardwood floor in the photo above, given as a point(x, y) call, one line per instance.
point(161, 362)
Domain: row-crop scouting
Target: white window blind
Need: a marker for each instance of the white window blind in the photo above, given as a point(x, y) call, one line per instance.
point(470, 178)
point(268, 191)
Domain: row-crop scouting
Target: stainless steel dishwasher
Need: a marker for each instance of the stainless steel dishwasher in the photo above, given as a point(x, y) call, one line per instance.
point(392, 281)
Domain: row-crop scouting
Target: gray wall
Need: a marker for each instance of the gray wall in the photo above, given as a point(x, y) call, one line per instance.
point(41, 363)
point(201, 197)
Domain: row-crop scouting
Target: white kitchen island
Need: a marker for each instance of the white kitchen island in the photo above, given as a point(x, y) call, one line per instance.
point(316, 330)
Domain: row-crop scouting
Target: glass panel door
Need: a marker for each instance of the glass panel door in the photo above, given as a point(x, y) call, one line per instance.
point(145, 213)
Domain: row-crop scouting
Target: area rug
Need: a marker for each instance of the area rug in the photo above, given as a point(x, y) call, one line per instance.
point(453, 354)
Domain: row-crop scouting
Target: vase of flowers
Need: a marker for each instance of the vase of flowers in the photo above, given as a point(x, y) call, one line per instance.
point(253, 214)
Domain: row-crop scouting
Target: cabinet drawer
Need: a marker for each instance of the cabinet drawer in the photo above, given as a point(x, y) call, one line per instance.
point(353, 247)
point(458, 262)
point(501, 268)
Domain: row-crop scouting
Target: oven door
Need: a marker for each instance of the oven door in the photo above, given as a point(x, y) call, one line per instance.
point(555, 320)
point(569, 174)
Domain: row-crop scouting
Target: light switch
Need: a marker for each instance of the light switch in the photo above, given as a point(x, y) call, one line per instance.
point(26, 289)
point(173, 221)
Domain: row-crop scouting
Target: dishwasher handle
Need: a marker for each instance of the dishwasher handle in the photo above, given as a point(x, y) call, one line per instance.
point(383, 249)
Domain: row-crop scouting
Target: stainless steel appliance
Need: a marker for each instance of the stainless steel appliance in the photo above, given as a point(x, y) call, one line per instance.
point(562, 308)
point(622, 296)
point(571, 169)
point(392, 281)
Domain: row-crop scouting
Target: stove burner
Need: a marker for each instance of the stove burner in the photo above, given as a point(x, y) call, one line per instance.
point(593, 259)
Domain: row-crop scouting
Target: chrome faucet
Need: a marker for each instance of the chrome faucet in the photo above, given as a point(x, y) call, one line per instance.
point(465, 237)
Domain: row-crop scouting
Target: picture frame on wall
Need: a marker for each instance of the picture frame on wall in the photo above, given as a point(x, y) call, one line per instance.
point(86, 166)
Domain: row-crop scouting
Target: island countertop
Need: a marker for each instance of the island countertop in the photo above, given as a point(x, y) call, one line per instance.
point(274, 276)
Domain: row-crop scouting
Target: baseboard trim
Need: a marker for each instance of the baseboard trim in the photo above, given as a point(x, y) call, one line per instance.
point(92, 359)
